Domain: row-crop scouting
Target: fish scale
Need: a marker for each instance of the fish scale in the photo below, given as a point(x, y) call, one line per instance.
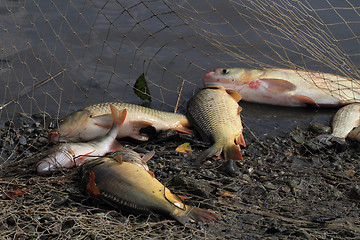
point(216, 116)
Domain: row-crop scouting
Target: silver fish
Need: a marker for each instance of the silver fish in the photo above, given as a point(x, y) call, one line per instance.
point(68, 155)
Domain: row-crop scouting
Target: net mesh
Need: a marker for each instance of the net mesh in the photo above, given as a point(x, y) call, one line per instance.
point(59, 56)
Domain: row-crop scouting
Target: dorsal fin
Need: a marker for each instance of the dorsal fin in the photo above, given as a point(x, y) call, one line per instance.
point(146, 157)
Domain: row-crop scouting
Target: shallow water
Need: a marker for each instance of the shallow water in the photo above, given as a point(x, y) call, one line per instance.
point(104, 49)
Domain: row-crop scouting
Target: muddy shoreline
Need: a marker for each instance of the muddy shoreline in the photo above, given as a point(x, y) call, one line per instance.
point(284, 189)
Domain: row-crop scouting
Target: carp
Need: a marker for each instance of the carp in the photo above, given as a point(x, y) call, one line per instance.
point(94, 122)
point(286, 87)
point(215, 114)
point(128, 186)
point(68, 155)
point(345, 124)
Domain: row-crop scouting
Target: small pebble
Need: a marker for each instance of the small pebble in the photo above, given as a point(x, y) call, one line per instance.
point(22, 140)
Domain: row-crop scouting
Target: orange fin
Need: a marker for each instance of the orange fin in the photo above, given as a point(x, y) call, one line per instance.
point(306, 100)
point(115, 146)
point(240, 140)
point(234, 94)
point(232, 152)
point(79, 160)
point(91, 186)
point(118, 116)
point(104, 121)
point(278, 85)
point(183, 197)
point(146, 157)
point(118, 158)
point(184, 130)
point(239, 110)
point(151, 173)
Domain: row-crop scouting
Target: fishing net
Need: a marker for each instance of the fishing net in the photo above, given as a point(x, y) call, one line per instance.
point(59, 56)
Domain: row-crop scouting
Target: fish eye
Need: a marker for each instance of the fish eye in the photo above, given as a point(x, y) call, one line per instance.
point(225, 71)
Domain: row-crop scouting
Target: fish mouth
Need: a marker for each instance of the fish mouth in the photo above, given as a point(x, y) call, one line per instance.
point(210, 76)
point(54, 137)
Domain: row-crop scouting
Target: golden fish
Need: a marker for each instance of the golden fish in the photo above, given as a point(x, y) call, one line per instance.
point(286, 87)
point(345, 124)
point(68, 155)
point(94, 121)
point(125, 185)
point(215, 113)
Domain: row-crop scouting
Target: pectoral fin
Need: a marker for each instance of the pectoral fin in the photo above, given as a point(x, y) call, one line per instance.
point(182, 198)
point(104, 121)
point(235, 95)
point(184, 130)
point(278, 85)
point(151, 173)
point(91, 186)
point(115, 146)
point(306, 100)
point(80, 159)
point(240, 140)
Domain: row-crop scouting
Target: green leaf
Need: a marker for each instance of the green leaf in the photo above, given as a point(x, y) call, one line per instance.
point(141, 88)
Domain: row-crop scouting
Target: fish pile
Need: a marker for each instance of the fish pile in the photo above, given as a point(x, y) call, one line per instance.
point(68, 155)
point(117, 175)
point(121, 176)
point(296, 88)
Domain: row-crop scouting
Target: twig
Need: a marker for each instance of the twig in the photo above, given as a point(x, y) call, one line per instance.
point(256, 138)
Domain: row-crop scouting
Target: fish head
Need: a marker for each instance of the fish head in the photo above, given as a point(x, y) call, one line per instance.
point(227, 77)
point(58, 158)
point(78, 126)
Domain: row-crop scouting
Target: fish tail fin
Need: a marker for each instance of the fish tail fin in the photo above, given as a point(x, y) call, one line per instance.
point(232, 151)
point(214, 150)
point(118, 116)
point(196, 214)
